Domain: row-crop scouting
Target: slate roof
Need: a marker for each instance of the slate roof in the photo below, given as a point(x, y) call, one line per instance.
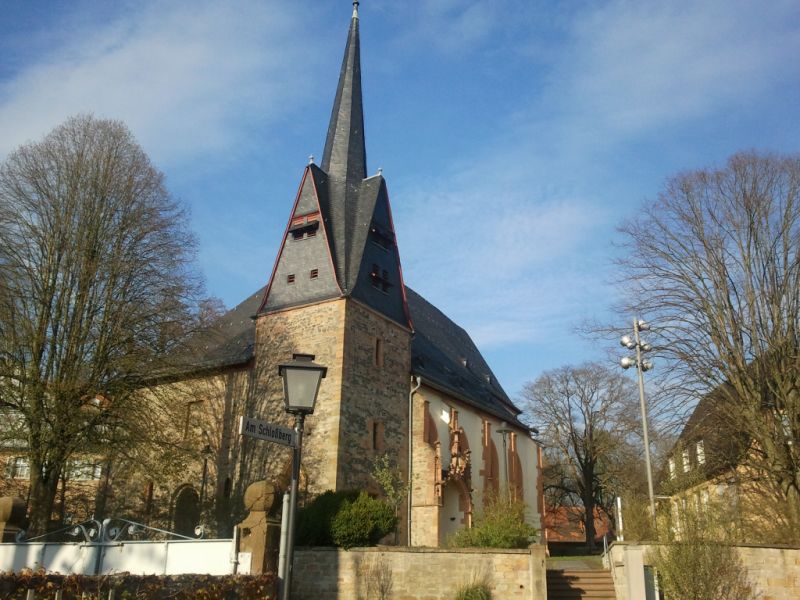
point(230, 341)
point(445, 356)
point(442, 353)
point(346, 195)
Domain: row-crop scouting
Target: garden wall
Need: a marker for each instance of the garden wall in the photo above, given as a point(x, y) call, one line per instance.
point(417, 573)
point(773, 571)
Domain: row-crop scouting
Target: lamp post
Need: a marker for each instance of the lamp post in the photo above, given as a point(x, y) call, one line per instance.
point(504, 430)
point(642, 365)
point(301, 379)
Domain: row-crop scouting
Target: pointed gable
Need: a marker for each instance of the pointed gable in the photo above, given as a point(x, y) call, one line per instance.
point(304, 271)
point(375, 276)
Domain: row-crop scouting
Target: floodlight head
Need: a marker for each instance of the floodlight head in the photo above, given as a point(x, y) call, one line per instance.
point(626, 341)
point(646, 365)
point(642, 326)
point(626, 362)
point(646, 347)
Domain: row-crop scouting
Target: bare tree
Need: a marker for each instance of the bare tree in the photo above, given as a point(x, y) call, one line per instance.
point(96, 290)
point(586, 415)
point(714, 263)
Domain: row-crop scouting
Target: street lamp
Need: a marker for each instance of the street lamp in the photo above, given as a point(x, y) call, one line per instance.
point(504, 430)
point(301, 379)
point(641, 365)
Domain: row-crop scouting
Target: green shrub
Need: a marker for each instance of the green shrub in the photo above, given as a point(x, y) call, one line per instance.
point(474, 591)
point(362, 522)
point(697, 561)
point(314, 520)
point(502, 525)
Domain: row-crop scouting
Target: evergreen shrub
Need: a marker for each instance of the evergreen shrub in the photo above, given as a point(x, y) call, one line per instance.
point(362, 522)
point(314, 520)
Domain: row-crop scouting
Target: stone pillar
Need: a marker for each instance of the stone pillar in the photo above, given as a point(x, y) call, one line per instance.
point(12, 517)
point(260, 532)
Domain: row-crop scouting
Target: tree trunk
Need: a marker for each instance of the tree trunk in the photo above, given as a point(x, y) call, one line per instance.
point(588, 505)
point(42, 497)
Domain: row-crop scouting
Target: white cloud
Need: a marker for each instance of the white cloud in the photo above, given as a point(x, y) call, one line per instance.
point(633, 67)
point(189, 78)
point(513, 241)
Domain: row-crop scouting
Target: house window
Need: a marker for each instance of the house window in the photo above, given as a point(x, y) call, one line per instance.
point(686, 464)
point(18, 468)
point(701, 453)
point(84, 469)
point(314, 273)
point(378, 352)
point(290, 278)
point(672, 468)
point(304, 227)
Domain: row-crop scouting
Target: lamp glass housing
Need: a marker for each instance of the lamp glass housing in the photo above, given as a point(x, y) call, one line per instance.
point(301, 379)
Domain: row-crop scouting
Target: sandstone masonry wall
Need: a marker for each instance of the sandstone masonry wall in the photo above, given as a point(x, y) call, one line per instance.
point(774, 572)
point(417, 573)
point(316, 329)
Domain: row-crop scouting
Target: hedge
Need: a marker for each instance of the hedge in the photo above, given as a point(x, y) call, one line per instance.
point(125, 586)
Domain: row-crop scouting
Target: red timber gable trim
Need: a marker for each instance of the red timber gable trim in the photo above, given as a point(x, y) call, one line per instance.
point(290, 224)
point(399, 264)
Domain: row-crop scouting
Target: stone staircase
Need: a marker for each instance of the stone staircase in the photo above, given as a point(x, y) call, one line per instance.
point(579, 585)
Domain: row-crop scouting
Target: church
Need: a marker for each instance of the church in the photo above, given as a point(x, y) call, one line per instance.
point(403, 380)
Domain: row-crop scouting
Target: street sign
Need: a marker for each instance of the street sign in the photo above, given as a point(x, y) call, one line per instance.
point(261, 430)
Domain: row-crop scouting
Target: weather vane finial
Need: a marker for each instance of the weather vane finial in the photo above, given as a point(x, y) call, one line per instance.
point(355, 9)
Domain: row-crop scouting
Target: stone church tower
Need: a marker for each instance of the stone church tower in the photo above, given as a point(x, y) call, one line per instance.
point(337, 292)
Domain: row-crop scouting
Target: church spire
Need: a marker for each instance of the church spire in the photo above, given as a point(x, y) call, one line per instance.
point(345, 155)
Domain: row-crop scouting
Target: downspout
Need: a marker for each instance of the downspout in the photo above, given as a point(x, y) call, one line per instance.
point(414, 388)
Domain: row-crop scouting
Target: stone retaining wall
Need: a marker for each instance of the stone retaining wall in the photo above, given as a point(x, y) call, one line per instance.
point(773, 571)
point(416, 573)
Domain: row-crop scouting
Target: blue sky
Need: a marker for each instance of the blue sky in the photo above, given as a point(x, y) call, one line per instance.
point(514, 134)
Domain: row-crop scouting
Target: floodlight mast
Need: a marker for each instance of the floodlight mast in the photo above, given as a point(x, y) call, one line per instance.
point(642, 365)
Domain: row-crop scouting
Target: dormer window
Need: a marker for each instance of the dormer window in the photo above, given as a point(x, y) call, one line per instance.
point(305, 226)
point(700, 452)
point(686, 464)
point(380, 279)
point(380, 236)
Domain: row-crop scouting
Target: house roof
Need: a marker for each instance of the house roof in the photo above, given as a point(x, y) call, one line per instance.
point(723, 447)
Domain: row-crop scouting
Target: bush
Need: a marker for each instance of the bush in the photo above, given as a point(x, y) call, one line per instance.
point(314, 520)
point(502, 525)
point(362, 522)
point(157, 587)
point(698, 561)
point(475, 591)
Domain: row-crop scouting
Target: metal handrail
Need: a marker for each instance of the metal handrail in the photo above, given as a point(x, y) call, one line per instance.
point(96, 532)
point(607, 557)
